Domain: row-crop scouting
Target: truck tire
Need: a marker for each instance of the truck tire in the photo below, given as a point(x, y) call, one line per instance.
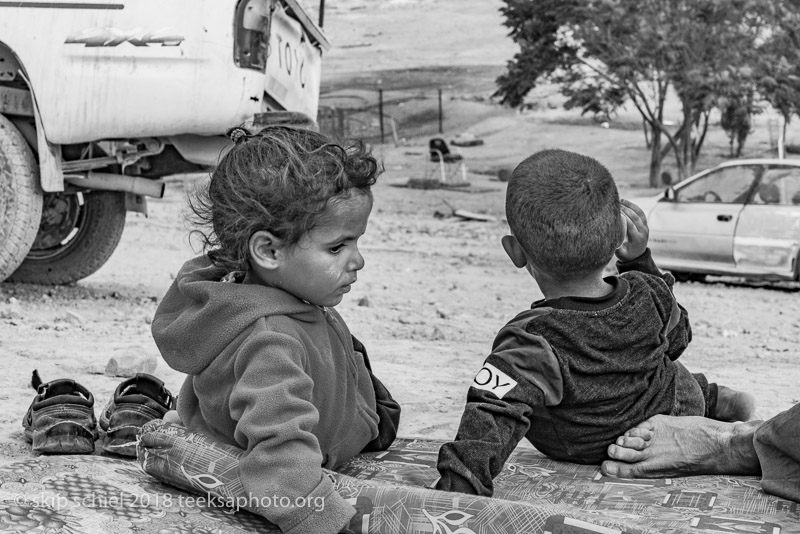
point(20, 198)
point(77, 235)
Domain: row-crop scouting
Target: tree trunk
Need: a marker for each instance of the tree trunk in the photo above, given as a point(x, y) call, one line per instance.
point(697, 144)
point(655, 158)
point(684, 140)
point(782, 139)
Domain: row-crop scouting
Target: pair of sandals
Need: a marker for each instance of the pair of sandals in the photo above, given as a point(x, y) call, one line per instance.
point(61, 418)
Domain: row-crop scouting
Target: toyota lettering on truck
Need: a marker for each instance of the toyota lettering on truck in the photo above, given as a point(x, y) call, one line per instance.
point(114, 96)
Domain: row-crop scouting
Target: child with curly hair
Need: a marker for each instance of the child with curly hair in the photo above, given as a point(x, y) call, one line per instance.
point(598, 354)
point(272, 367)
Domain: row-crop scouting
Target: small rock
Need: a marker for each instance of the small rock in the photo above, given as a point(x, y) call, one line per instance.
point(364, 301)
point(441, 314)
point(12, 310)
point(74, 318)
point(436, 334)
point(127, 362)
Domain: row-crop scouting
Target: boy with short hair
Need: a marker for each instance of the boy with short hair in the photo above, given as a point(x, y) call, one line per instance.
point(597, 354)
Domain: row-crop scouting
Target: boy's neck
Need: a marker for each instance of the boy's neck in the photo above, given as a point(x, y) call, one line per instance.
point(589, 286)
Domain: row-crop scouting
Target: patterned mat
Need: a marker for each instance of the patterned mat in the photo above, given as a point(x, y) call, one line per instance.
point(87, 494)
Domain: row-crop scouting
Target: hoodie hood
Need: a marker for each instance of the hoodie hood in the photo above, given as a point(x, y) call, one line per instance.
point(200, 315)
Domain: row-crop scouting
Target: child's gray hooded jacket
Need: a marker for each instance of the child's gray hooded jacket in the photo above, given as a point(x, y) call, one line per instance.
point(275, 376)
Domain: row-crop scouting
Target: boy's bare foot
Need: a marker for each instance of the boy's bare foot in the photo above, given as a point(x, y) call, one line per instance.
point(665, 446)
point(734, 405)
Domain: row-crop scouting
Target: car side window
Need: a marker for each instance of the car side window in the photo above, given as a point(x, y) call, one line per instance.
point(730, 185)
point(780, 186)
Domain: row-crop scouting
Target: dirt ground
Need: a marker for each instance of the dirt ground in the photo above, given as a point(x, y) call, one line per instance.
point(435, 288)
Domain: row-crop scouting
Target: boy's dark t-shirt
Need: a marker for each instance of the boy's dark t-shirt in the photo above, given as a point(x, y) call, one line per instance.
point(571, 374)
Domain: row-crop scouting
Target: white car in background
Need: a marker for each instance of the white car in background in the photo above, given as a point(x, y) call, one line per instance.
point(740, 218)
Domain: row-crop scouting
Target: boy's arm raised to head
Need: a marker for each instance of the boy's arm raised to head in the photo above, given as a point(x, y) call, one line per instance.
point(636, 231)
point(677, 328)
point(271, 402)
point(633, 255)
point(497, 414)
point(645, 264)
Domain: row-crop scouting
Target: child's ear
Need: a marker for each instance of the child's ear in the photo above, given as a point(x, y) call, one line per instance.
point(266, 250)
point(514, 251)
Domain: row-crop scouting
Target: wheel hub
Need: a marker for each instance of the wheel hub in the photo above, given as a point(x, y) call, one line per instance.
point(60, 215)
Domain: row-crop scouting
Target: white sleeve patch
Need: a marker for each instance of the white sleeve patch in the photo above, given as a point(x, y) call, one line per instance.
point(493, 380)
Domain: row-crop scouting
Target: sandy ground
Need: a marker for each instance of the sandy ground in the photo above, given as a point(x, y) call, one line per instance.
point(435, 288)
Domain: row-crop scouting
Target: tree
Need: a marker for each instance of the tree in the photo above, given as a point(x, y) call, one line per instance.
point(778, 71)
point(736, 112)
point(603, 53)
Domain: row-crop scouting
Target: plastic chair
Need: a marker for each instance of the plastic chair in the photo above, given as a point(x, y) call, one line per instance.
point(450, 163)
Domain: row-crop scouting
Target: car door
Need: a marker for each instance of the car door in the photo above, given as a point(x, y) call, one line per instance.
point(768, 234)
point(695, 228)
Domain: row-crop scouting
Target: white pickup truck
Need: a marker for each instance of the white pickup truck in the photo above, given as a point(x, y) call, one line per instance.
point(101, 99)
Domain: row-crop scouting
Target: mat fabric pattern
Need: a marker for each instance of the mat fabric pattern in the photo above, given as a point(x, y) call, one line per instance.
point(85, 494)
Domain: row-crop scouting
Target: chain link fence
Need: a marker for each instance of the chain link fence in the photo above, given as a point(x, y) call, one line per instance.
point(379, 116)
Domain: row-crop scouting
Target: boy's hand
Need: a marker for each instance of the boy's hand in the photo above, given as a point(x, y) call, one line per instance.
point(636, 231)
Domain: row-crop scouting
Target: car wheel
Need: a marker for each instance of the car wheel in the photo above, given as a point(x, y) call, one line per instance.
point(797, 267)
point(20, 198)
point(681, 276)
point(77, 235)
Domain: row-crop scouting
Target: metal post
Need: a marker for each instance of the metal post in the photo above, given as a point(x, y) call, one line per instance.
point(342, 130)
point(380, 112)
point(321, 12)
point(441, 127)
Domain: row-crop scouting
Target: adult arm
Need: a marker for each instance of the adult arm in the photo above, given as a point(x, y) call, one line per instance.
point(271, 402)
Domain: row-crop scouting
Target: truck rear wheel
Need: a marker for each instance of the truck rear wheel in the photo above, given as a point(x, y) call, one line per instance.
point(77, 235)
point(20, 198)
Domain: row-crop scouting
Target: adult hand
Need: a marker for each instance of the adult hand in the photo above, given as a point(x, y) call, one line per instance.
point(636, 231)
